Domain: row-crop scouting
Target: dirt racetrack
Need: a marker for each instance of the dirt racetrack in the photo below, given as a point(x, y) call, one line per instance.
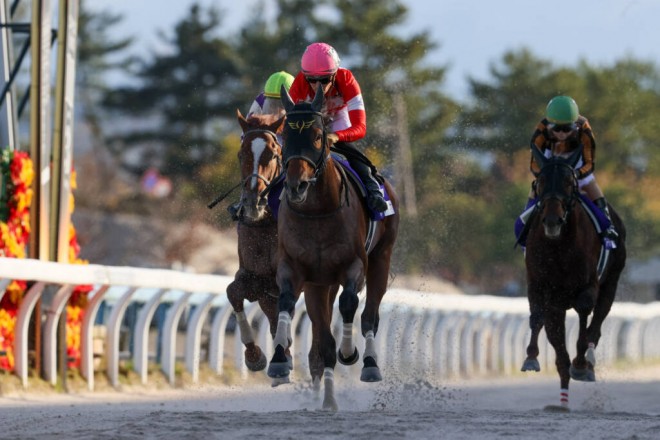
point(621, 405)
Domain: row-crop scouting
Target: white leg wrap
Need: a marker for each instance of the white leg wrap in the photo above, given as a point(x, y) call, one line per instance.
point(283, 330)
point(563, 397)
point(370, 345)
point(244, 327)
point(591, 354)
point(346, 346)
point(329, 383)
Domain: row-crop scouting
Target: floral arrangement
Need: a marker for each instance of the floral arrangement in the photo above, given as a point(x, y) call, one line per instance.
point(17, 175)
point(75, 309)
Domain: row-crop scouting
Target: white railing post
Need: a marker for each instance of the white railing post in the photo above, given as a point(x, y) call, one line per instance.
point(87, 335)
point(112, 336)
point(141, 341)
point(50, 332)
point(194, 337)
point(168, 362)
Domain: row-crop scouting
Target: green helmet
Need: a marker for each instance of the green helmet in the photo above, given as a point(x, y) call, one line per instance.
point(275, 82)
point(562, 110)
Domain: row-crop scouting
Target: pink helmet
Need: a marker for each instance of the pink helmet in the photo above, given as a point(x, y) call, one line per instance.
point(319, 59)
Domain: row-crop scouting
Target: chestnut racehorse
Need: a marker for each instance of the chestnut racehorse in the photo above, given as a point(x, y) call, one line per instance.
point(322, 233)
point(260, 158)
point(562, 255)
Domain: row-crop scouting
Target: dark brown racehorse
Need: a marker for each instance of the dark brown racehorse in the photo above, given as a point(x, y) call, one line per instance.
point(562, 254)
point(322, 231)
point(260, 158)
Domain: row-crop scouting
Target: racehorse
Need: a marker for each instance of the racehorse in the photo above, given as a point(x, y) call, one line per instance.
point(322, 232)
point(562, 255)
point(260, 158)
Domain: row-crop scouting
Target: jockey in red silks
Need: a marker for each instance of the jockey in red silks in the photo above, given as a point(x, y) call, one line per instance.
point(345, 106)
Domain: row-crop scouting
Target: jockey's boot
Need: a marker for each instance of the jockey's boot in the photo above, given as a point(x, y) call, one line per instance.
point(611, 231)
point(375, 200)
point(234, 211)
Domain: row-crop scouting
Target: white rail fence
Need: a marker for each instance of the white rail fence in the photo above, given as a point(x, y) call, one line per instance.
point(440, 335)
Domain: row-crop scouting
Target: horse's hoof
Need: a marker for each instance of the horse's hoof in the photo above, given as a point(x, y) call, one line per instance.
point(280, 381)
point(289, 361)
point(582, 375)
point(348, 360)
point(557, 409)
point(257, 365)
point(371, 374)
point(531, 365)
point(330, 404)
point(278, 370)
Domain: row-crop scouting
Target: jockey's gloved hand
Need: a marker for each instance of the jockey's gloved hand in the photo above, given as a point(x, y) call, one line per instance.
point(234, 210)
point(333, 138)
point(611, 233)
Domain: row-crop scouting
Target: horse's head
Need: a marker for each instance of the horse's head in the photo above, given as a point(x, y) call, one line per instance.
point(260, 157)
point(305, 145)
point(557, 189)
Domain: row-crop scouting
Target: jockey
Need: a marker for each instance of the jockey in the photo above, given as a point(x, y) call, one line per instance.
point(344, 105)
point(267, 102)
point(562, 131)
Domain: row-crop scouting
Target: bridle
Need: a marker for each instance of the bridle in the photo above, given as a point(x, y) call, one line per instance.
point(277, 157)
point(317, 159)
point(555, 171)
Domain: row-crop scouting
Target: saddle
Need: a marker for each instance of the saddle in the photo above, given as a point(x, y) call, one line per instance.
point(599, 221)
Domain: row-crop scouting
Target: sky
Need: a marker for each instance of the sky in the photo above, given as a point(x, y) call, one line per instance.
point(471, 35)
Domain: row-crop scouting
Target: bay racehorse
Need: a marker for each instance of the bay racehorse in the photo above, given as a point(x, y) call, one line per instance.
point(323, 228)
point(260, 158)
point(562, 260)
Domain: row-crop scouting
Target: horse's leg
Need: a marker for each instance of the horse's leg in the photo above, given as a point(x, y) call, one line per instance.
point(606, 294)
point(555, 329)
point(580, 368)
point(316, 364)
point(378, 270)
point(535, 324)
point(255, 360)
point(289, 292)
point(348, 305)
point(319, 311)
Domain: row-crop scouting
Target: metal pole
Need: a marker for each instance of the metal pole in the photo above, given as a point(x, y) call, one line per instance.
point(63, 132)
point(40, 127)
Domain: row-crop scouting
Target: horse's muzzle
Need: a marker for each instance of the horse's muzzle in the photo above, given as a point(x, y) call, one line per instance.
point(296, 192)
point(552, 226)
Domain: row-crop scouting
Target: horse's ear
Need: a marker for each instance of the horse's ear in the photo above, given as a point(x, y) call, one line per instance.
point(287, 102)
point(241, 120)
point(279, 124)
point(317, 104)
point(538, 156)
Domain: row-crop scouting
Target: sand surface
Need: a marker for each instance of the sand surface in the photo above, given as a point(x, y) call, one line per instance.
point(621, 405)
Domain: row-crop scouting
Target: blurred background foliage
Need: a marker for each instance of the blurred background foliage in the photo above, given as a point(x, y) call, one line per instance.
point(175, 110)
